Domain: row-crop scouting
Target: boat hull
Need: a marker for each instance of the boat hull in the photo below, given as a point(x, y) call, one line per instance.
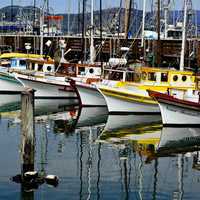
point(90, 95)
point(120, 103)
point(10, 83)
point(173, 115)
point(49, 89)
point(177, 112)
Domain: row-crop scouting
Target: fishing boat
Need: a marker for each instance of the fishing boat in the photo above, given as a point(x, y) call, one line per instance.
point(176, 111)
point(129, 93)
point(17, 79)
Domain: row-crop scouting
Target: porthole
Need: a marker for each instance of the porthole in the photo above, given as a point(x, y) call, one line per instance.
point(91, 70)
point(184, 78)
point(175, 78)
point(49, 68)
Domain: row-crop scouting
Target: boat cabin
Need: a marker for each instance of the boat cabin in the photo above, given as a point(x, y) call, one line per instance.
point(32, 64)
point(152, 76)
point(40, 65)
point(80, 70)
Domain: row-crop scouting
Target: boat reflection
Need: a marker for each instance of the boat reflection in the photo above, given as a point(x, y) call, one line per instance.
point(116, 122)
point(135, 137)
point(178, 140)
point(91, 116)
point(136, 132)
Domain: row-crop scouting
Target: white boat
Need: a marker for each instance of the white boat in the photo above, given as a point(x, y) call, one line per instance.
point(90, 95)
point(128, 94)
point(46, 88)
point(177, 112)
point(38, 74)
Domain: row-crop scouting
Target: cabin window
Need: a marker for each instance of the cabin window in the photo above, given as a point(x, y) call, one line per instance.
point(184, 78)
point(151, 76)
point(144, 75)
point(130, 77)
point(49, 68)
point(22, 62)
point(175, 78)
point(81, 71)
point(33, 66)
point(164, 77)
point(40, 67)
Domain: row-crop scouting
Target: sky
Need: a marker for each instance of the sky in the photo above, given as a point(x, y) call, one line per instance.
point(62, 6)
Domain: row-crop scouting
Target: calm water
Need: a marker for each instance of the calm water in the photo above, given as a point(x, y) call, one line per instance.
point(97, 156)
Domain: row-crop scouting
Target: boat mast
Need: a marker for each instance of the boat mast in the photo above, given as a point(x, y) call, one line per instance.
point(143, 22)
point(166, 12)
point(128, 6)
point(158, 32)
point(92, 56)
point(183, 36)
point(101, 29)
point(68, 17)
point(83, 31)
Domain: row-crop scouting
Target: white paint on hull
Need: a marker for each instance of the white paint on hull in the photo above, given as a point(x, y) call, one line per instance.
point(10, 83)
point(45, 89)
point(90, 95)
point(121, 105)
point(175, 115)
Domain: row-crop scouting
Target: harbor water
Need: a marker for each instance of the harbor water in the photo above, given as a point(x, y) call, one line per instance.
point(101, 156)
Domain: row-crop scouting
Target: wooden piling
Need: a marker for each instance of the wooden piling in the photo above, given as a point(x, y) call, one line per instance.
point(27, 130)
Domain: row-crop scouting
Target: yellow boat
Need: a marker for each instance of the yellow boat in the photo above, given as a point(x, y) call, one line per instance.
point(129, 92)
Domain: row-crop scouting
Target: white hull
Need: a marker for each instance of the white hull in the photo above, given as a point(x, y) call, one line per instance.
point(174, 115)
point(118, 105)
point(48, 89)
point(9, 83)
point(90, 95)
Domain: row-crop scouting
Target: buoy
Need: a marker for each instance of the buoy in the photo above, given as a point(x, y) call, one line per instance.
point(30, 175)
point(52, 180)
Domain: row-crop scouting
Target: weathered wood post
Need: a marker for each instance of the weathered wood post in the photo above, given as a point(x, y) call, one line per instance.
point(27, 131)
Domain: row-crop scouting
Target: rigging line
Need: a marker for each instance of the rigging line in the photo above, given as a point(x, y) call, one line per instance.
point(112, 37)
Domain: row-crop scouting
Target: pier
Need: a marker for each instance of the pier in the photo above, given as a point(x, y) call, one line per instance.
point(170, 48)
